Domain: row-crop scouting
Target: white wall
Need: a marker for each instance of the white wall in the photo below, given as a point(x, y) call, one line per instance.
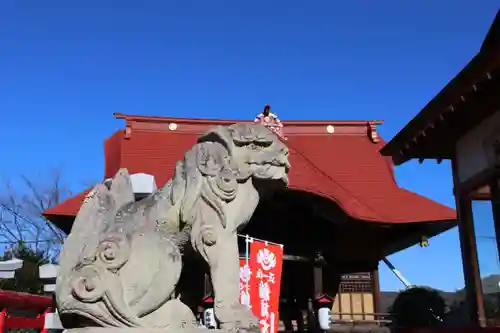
point(475, 151)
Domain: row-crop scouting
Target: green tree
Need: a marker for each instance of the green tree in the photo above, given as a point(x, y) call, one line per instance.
point(418, 307)
point(27, 278)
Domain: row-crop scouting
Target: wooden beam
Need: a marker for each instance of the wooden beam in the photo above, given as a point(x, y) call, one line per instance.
point(440, 142)
point(473, 290)
point(376, 292)
point(480, 179)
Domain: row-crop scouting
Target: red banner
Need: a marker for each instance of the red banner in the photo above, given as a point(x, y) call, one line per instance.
point(266, 262)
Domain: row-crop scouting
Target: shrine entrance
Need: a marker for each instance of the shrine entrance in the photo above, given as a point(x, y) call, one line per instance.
point(296, 294)
point(313, 261)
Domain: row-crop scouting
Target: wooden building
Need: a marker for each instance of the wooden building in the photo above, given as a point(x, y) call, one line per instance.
point(342, 213)
point(462, 124)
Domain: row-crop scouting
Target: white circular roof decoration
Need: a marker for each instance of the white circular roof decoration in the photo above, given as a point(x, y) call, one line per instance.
point(330, 129)
point(172, 126)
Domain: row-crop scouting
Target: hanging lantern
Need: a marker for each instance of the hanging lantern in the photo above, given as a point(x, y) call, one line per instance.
point(424, 241)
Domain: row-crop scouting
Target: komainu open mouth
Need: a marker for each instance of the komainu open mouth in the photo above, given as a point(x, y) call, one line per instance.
point(269, 171)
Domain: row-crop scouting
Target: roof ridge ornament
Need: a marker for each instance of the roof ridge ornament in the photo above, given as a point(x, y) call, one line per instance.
point(270, 121)
point(128, 131)
point(372, 133)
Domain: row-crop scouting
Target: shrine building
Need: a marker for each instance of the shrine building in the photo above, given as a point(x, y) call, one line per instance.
point(342, 213)
point(462, 124)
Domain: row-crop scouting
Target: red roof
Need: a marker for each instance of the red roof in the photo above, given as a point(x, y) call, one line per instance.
point(339, 160)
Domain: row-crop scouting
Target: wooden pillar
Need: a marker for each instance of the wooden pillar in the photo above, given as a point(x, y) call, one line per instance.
point(312, 318)
point(376, 293)
point(473, 290)
point(318, 263)
point(495, 206)
point(318, 281)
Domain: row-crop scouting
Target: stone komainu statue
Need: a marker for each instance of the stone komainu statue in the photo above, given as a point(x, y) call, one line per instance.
point(122, 260)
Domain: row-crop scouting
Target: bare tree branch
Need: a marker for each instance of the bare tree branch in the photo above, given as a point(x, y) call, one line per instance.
point(21, 208)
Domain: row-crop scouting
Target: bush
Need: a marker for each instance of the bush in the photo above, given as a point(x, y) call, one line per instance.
point(418, 307)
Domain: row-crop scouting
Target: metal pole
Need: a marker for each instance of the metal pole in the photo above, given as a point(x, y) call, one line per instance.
point(247, 266)
point(397, 273)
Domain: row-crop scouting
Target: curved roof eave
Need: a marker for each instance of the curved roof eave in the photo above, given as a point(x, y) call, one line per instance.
point(447, 214)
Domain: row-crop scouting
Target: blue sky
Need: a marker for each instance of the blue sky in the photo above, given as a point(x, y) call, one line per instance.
point(66, 66)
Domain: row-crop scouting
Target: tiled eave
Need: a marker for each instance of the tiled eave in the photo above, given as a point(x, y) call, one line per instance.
point(467, 100)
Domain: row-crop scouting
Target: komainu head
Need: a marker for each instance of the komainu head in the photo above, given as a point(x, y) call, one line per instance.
point(227, 172)
point(255, 151)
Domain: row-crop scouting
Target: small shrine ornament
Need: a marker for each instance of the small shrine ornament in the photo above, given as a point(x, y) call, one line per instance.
point(271, 121)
